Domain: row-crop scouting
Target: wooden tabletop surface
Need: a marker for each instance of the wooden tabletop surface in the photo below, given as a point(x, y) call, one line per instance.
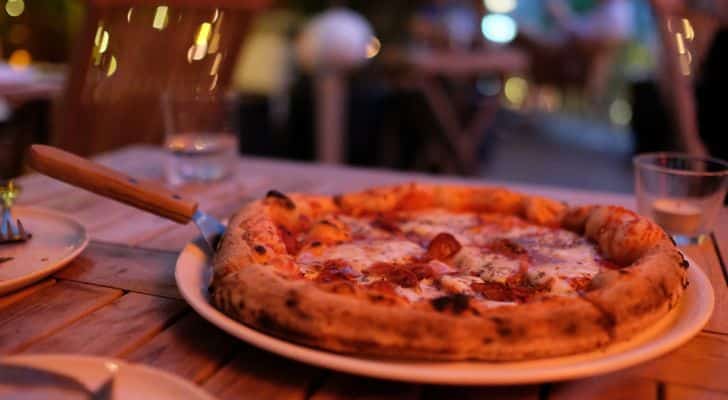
point(119, 298)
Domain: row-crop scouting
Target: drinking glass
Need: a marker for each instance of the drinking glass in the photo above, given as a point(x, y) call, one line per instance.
point(200, 136)
point(682, 193)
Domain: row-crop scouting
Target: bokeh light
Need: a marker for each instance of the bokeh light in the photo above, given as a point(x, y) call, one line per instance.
point(373, 47)
point(499, 28)
point(14, 7)
point(516, 90)
point(20, 59)
point(161, 18)
point(500, 6)
point(620, 112)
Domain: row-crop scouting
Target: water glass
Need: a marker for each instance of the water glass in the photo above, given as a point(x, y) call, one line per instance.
point(682, 193)
point(200, 136)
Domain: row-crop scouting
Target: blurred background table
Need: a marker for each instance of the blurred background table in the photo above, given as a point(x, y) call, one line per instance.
point(119, 298)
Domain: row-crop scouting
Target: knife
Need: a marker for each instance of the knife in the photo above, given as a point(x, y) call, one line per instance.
point(104, 181)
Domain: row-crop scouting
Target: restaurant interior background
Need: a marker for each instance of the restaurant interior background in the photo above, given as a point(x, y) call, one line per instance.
point(525, 90)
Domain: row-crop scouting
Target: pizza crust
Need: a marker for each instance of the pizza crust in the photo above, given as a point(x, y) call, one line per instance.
point(256, 282)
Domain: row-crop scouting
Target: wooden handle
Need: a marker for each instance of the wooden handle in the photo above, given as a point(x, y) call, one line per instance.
point(106, 182)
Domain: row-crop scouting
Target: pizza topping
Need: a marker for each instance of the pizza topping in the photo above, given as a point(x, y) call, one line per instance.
point(364, 253)
point(397, 274)
point(289, 240)
point(385, 224)
point(260, 249)
point(443, 246)
point(506, 247)
point(335, 270)
point(493, 291)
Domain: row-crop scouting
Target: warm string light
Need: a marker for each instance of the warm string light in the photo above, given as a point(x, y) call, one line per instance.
point(687, 34)
point(100, 55)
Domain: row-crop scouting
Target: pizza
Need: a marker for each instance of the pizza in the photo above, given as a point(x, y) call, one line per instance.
point(443, 272)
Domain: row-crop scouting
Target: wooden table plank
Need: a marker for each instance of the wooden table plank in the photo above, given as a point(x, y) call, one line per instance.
point(338, 386)
point(123, 267)
point(706, 259)
point(680, 392)
point(702, 362)
point(262, 375)
point(46, 311)
point(191, 348)
point(13, 297)
point(616, 386)
point(115, 329)
point(474, 393)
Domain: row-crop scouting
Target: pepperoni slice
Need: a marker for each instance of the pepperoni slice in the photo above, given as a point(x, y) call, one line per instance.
point(506, 247)
point(397, 274)
point(336, 270)
point(497, 291)
point(493, 291)
point(443, 246)
point(289, 240)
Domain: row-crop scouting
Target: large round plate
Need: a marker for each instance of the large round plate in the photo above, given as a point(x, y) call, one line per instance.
point(57, 239)
point(193, 275)
point(69, 376)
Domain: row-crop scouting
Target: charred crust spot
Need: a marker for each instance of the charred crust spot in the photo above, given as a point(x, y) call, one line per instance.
point(685, 264)
point(338, 200)
point(292, 300)
point(282, 198)
point(571, 328)
point(502, 327)
point(315, 244)
point(672, 240)
point(259, 249)
point(327, 222)
point(685, 283)
point(608, 322)
point(457, 303)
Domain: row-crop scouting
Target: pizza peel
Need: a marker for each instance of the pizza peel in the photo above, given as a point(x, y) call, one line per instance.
point(104, 181)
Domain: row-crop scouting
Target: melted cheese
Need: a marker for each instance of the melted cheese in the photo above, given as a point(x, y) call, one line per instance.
point(489, 266)
point(556, 256)
point(432, 223)
point(360, 255)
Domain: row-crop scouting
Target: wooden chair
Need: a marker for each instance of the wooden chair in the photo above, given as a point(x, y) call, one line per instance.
point(130, 52)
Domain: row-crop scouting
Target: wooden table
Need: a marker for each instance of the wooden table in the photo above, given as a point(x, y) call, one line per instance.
point(119, 299)
point(427, 71)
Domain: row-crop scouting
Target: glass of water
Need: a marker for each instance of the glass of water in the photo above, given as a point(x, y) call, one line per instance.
point(682, 193)
point(200, 136)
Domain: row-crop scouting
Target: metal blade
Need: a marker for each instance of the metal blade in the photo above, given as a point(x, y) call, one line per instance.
point(210, 228)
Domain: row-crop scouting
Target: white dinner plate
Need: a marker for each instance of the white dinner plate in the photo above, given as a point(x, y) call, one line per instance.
point(57, 239)
point(69, 376)
point(193, 274)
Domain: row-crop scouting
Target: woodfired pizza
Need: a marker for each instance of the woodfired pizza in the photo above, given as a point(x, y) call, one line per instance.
point(445, 272)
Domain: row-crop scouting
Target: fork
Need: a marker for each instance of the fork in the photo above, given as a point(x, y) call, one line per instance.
point(9, 231)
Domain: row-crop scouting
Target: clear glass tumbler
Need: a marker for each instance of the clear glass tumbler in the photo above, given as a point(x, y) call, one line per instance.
point(200, 136)
point(682, 193)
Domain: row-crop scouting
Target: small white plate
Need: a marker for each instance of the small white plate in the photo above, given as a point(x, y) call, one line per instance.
point(68, 376)
point(57, 239)
point(682, 323)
